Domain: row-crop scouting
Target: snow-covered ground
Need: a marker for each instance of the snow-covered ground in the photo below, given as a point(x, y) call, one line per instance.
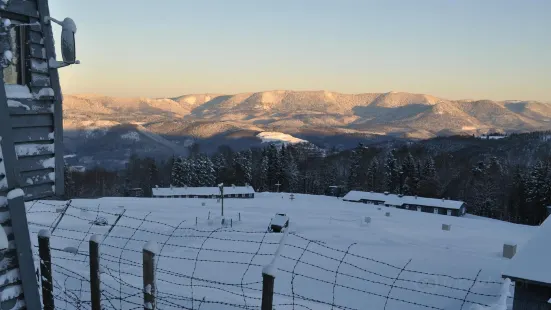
point(332, 255)
point(279, 137)
point(486, 137)
point(131, 135)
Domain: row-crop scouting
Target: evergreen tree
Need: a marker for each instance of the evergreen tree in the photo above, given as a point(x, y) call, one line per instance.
point(538, 192)
point(392, 173)
point(247, 166)
point(429, 185)
point(203, 171)
point(243, 167)
point(410, 176)
point(496, 178)
point(188, 172)
point(328, 177)
point(263, 174)
point(291, 174)
point(517, 198)
point(355, 176)
point(219, 162)
point(484, 188)
point(274, 168)
point(373, 176)
point(177, 175)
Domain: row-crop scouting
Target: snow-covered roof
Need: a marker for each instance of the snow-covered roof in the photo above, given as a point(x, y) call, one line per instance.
point(396, 200)
point(531, 262)
point(433, 202)
point(279, 220)
point(178, 191)
point(357, 195)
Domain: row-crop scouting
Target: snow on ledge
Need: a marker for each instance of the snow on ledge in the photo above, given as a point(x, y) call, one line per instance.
point(15, 193)
point(18, 91)
point(49, 163)
point(45, 92)
point(269, 269)
point(151, 246)
point(44, 233)
point(17, 104)
point(96, 239)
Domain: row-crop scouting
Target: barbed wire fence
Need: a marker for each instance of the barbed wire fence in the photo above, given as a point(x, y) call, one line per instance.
point(310, 274)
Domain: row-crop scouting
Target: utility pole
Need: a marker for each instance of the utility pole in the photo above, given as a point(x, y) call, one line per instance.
point(278, 186)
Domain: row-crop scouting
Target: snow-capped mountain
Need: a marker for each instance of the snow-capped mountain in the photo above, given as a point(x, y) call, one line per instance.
point(167, 125)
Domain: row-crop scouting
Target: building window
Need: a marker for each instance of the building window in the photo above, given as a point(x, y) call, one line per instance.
point(16, 71)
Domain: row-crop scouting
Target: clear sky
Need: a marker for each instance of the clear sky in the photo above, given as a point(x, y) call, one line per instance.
point(456, 49)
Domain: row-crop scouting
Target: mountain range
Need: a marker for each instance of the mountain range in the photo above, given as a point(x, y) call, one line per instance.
point(102, 129)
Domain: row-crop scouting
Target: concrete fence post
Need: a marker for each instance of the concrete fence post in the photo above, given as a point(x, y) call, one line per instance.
point(267, 291)
point(150, 250)
point(95, 282)
point(46, 269)
point(268, 276)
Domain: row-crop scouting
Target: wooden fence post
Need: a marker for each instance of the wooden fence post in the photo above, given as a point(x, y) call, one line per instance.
point(149, 287)
point(46, 269)
point(267, 291)
point(94, 272)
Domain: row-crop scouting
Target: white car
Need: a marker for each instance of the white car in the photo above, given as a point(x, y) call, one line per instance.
point(279, 223)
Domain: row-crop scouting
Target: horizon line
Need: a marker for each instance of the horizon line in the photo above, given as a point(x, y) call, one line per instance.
point(303, 91)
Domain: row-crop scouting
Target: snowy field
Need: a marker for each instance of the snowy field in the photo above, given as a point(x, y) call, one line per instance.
point(332, 258)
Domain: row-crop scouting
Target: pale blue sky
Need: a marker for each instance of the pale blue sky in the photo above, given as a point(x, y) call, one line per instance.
point(496, 49)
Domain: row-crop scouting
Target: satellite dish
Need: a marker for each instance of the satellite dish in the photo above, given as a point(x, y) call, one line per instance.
point(68, 46)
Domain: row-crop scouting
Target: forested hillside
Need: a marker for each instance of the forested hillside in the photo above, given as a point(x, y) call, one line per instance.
point(508, 179)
